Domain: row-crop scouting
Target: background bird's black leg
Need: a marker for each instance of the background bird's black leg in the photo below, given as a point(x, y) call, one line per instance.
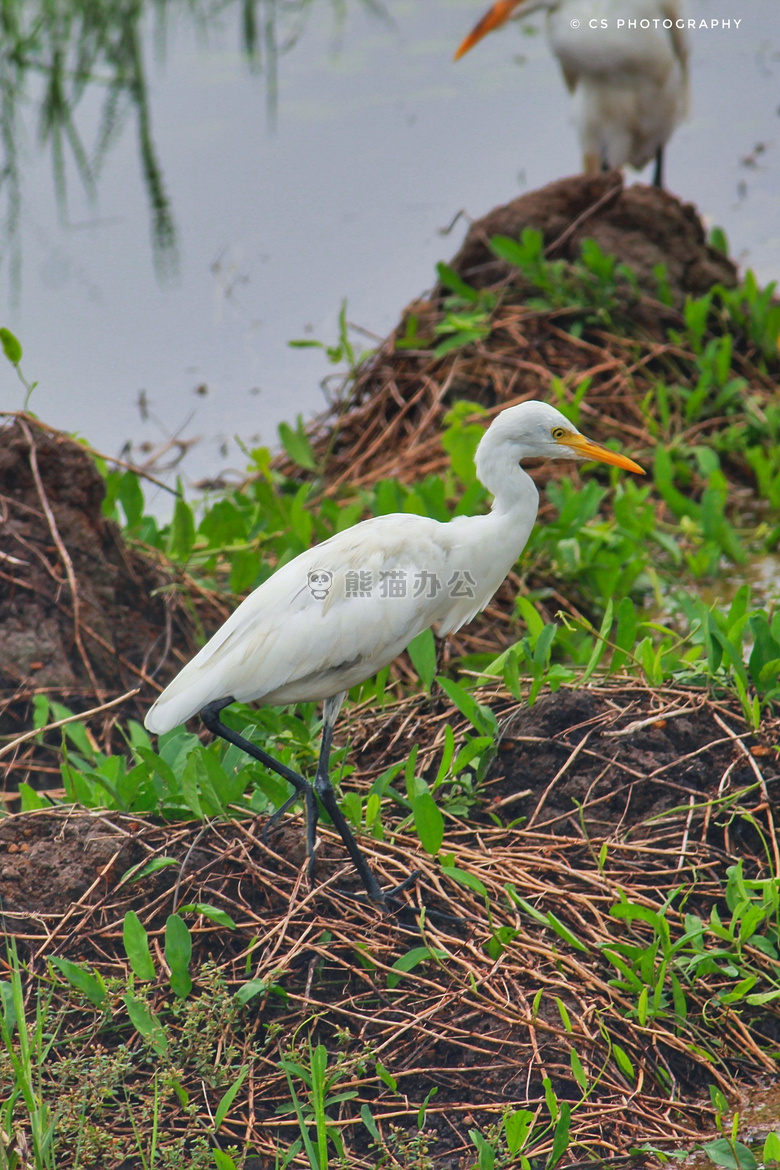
point(658, 173)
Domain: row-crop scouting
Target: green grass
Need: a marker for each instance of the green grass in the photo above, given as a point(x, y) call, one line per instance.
point(631, 558)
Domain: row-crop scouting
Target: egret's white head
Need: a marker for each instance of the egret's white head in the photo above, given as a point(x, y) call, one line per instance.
point(534, 430)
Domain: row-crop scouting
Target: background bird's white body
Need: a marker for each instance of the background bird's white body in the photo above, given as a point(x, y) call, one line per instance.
point(629, 83)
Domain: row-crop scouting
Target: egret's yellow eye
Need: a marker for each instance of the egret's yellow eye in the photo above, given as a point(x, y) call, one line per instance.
point(558, 432)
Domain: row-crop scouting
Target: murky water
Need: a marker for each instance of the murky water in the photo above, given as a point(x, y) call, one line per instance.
point(762, 574)
point(233, 212)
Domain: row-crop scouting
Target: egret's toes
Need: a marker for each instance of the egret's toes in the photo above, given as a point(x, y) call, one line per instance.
point(386, 900)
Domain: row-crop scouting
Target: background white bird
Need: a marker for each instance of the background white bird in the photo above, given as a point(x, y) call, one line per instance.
point(299, 638)
point(629, 83)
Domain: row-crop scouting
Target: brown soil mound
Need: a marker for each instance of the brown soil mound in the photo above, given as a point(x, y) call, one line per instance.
point(641, 227)
point(388, 421)
point(85, 618)
point(468, 1025)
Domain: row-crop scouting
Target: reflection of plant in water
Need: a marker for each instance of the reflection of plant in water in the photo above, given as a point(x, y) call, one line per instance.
point(73, 46)
point(270, 28)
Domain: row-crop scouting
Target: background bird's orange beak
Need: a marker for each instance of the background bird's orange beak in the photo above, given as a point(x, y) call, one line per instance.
point(586, 449)
point(498, 14)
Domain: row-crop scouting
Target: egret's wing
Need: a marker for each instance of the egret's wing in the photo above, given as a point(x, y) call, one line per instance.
point(285, 643)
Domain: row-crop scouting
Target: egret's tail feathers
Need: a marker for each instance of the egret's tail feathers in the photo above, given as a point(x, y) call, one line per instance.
point(182, 699)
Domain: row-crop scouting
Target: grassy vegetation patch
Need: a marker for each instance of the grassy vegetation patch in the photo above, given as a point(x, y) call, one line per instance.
point(586, 777)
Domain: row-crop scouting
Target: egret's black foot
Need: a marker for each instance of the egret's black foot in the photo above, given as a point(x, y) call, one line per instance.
point(386, 900)
point(390, 903)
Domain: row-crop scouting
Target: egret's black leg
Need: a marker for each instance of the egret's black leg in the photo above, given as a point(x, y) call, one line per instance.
point(210, 716)
point(324, 790)
point(658, 173)
point(322, 787)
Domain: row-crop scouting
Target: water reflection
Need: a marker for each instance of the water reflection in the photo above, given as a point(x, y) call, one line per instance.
point(380, 140)
point(57, 57)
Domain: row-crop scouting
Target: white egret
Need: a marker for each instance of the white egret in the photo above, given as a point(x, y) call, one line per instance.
point(625, 62)
point(343, 610)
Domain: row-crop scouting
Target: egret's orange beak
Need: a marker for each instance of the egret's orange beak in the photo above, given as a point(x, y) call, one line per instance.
point(498, 14)
point(586, 449)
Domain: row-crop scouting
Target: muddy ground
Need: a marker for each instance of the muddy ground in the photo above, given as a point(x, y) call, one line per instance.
point(592, 791)
point(137, 619)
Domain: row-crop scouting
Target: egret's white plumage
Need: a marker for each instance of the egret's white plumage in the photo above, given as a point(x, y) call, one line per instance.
point(284, 645)
point(629, 84)
point(291, 641)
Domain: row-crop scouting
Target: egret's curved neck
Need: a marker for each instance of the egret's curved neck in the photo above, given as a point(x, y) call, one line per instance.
point(498, 469)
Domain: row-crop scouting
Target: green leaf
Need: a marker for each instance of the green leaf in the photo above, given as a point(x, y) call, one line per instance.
point(189, 785)
point(560, 1135)
point(182, 531)
point(410, 960)
point(136, 872)
point(83, 980)
point(223, 1161)
point(428, 821)
point(580, 1076)
point(731, 1155)
point(11, 347)
point(422, 651)
point(131, 497)
point(455, 283)
point(178, 952)
point(487, 1155)
point(8, 1003)
point(625, 637)
point(448, 752)
point(563, 1012)
point(470, 880)
point(762, 997)
point(460, 439)
point(31, 798)
point(297, 445)
point(771, 1152)
point(564, 932)
point(208, 911)
point(146, 1023)
point(386, 1077)
point(367, 1117)
point(510, 250)
point(136, 945)
point(249, 990)
point(481, 717)
point(229, 1097)
point(600, 643)
point(623, 1061)
point(517, 1127)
